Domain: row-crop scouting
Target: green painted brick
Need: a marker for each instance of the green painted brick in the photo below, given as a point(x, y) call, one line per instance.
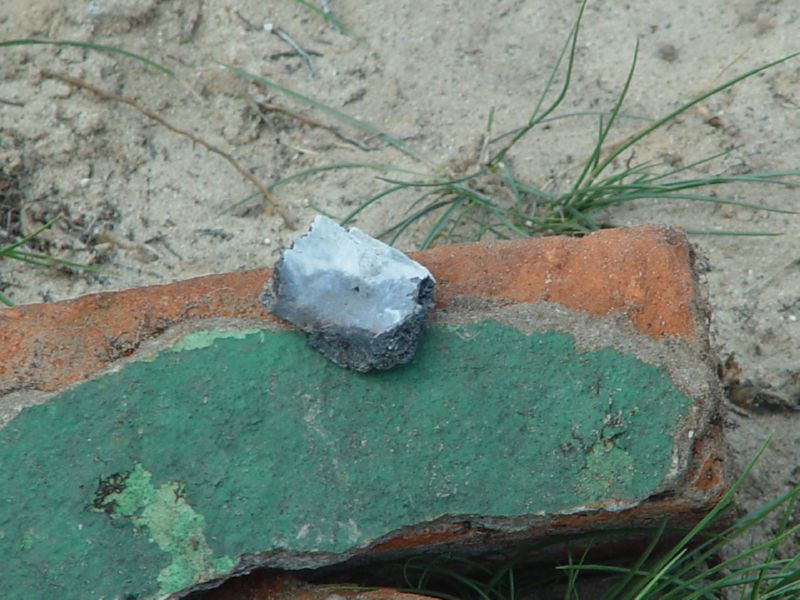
point(162, 474)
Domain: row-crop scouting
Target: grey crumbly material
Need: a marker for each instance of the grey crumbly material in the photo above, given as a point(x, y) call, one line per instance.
point(362, 302)
point(357, 349)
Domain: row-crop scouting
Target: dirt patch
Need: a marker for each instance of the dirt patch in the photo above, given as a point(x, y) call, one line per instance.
point(149, 206)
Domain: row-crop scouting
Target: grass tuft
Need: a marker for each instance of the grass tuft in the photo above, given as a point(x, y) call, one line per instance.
point(491, 199)
point(15, 252)
point(90, 46)
point(488, 198)
point(697, 567)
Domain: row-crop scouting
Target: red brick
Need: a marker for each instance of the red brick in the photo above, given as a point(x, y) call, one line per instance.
point(644, 272)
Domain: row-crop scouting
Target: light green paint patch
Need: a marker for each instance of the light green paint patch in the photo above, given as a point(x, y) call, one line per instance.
point(173, 525)
point(203, 339)
point(279, 449)
point(609, 472)
point(30, 538)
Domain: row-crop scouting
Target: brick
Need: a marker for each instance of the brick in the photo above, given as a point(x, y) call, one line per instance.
point(279, 586)
point(180, 435)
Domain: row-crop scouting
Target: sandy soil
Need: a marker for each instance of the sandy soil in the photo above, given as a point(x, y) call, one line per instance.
point(149, 205)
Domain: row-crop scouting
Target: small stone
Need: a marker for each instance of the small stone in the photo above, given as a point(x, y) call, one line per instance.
point(362, 302)
point(668, 52)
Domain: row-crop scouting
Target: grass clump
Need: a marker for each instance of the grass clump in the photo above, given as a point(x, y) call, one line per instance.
point(17, 251)
point(489, 198)
point(493, 200)
point(697, 567)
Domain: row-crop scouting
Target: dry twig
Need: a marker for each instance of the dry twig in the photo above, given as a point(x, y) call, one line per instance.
point(262, 107)
point(284, 36)
point(262, 188)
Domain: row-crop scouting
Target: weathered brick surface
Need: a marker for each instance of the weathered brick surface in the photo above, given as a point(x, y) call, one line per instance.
point(643, 272)
point(617, 314)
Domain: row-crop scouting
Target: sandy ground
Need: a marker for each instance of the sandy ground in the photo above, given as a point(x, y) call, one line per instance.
point(150, 206)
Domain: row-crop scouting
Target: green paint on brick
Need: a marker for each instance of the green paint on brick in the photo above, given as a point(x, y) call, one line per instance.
point(609, 471)
point(203, 339)
point(172, 524)
point(256, 443)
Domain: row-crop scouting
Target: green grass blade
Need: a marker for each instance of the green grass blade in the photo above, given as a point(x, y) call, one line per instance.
point(383, 167)
point(431, 567)
point(91, 46)
point(570, 45)
point(436, 182)
point(656, 576)
point(302, 174)
point(329, 18)
point(13, 252)
point(370, 201)
point(608, 569)
point(45, 260)
point(425, 196)
point(700, 556)
point(324, 212)
point(509, 180)
point(442, 222)
point(466, 209)
point(487, 203)
point(616, 591)
point(785, 583)
point(684, 107)
point(767, 178)
point(37, 260)
point(337, 114)
point(704, 574)
point(401, 227)
point(10, 248)
point(595, 199)
point(238, 203)
point(692, 165)
point(591, 166)
point(723, 505)
point(572, 115)
point(572, 577)
point(581, 220)
point(709, 199)
point(535, 191)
